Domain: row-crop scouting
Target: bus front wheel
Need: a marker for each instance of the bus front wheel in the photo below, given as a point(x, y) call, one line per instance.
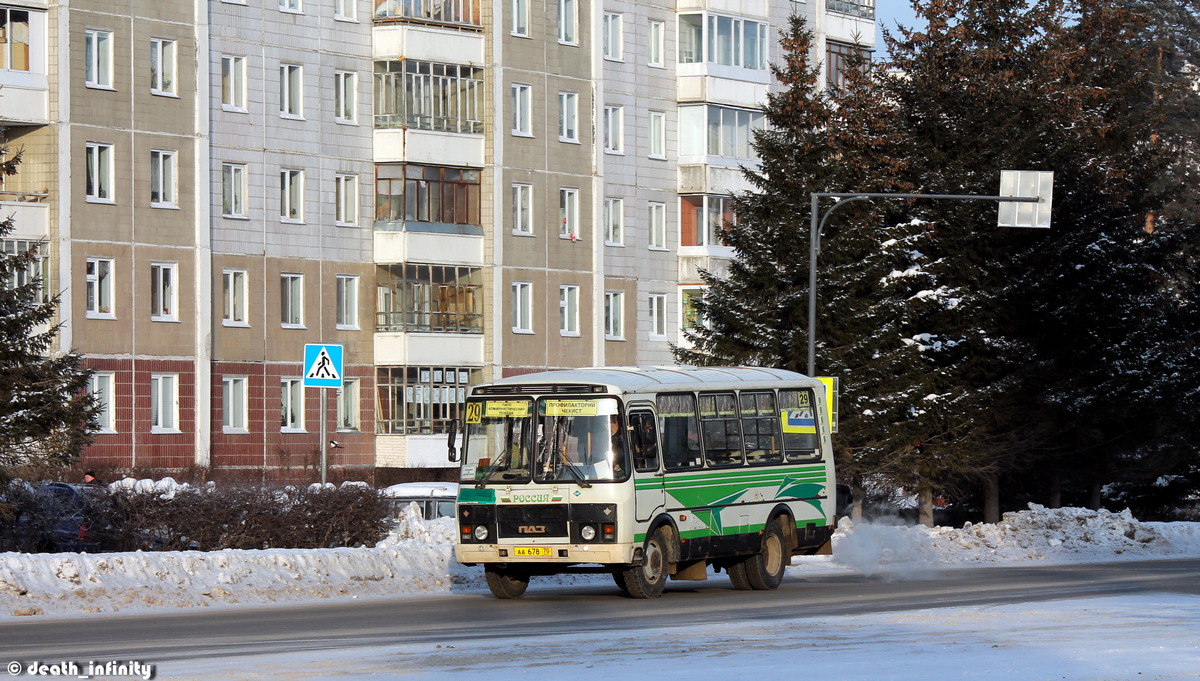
point(648, 579)
point(505, 583)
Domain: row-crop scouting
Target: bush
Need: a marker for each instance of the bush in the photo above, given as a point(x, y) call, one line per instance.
point(207, 518)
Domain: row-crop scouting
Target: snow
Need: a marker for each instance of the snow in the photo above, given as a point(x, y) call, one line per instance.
point(1073, 639)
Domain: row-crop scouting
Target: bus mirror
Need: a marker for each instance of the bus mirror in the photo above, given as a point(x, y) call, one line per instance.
point(452, 441)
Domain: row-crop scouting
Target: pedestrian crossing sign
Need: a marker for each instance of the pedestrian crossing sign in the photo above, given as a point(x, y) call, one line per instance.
point(322, 366)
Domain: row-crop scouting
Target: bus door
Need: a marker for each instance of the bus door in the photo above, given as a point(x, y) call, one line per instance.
point(649, 493)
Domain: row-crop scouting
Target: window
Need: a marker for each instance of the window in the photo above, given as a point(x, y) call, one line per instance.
point(162, 178)
point(347, 405)
point(691, 317)
point(31, 272)
point(291, 195)
point(522, 105)
point(658, 134)
point(162, 66)
point(99, 277)
point(234, 297)
point(568, 22)
point(429, 298)
point(98, 158)
point(520, 18)
point(429, 96)
point(345, 200)
point(836, 56)
point(568, 117)
point(568, 213)
point(522, 306)
point(456, 12)
point(291, 405)
point(718, 131)
point(347, 301)
point(100, 386)
point(614, 220)
point(864, 9)
point(164, 403)
point(435, 194)
point(233, 404)
point(291, 91)
point(522, 199)
point(614, 129)
point(233, 190)
point(345, 10)
point(703, 218)
point(614, 315)
point(680, 434)
point(656, 222)
point(163, 293)
point(291, 300)
point(657, 40)
point(233, 83)
point(658, 315)
point(613, 38)
point(345, 96)
point(98, 55)
point(729, 41)
point(421, 399)
point(291, 6)
point(721, 432)
point(760, 427)
point(14, 39)
point(801, 442)
point(568, 310)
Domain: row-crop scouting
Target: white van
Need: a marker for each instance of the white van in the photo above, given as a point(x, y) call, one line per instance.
point(435, 499)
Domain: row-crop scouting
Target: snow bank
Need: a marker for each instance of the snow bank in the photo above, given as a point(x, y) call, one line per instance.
point(418, 558)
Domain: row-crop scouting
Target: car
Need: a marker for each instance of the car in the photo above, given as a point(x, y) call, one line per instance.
point(58, 516)
point(435, 499)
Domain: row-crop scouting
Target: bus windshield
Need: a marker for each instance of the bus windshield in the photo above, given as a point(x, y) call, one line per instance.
point(579, 440)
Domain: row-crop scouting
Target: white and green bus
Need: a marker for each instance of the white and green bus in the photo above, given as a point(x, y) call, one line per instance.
point(644, 473)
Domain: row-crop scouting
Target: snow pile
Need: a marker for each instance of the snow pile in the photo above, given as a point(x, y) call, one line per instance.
point(418, 558)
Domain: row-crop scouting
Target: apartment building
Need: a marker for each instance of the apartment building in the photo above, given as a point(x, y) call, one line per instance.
point(451, 190)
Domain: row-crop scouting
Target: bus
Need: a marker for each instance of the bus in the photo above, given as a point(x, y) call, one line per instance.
point(647, 473)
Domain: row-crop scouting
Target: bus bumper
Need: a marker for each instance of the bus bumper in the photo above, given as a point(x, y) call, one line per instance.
point(563, 554)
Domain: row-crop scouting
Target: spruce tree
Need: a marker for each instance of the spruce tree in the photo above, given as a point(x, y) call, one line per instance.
point(46, 414)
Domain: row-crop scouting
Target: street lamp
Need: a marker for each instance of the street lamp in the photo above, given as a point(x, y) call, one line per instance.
point(1017, 188)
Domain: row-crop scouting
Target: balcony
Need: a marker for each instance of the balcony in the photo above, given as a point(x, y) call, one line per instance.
point(30, 213)
point(861, 9)
point(455, 13)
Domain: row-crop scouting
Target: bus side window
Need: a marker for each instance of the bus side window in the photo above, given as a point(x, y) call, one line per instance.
point(760, 423)
point(644, 437)
point(800, 425)
point(722, 431)
point(679, 431)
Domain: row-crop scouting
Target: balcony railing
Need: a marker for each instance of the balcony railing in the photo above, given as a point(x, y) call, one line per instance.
point(429, 322)
point(451, 12)
point(863, 9)
point(23, 197)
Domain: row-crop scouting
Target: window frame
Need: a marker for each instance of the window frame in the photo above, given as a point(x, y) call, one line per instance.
point(164, 403)
point(345, 200)
point(522, 208)
point(164, 173)
point(291, 6)
point(99, 163)
point(568, 116)
point(522, 307)
point(340, 12)
point(657, 128)
point(233, 83)
point(614, 129)
point(345, 97)
point(103, 395)
point(235, 297)
point(346, 290)
point(522, 109)
point(98, 59)
point(291, 405)
point(614, 315)
point(99, 288)
point(291, 91)
point(348, 418)
point(520, 18)
point(235, 411)
point(656, 225)
point(614, 221)
point(658, 316)
point(568, 213)
point(164, 292)
point(612, 33)
point(291, 195)
point(568, 22)
point(656, 44)
point(568, 310)
point(235, 187)
point(291, 300)
point(164, 67)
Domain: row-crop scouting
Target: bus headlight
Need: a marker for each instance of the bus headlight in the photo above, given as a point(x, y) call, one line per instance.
point(588, 532)
point(481, 532)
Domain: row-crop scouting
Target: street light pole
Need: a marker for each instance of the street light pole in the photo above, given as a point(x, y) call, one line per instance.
point(843, 198)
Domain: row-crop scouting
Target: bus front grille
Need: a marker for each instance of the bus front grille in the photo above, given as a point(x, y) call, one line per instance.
point(532, 522)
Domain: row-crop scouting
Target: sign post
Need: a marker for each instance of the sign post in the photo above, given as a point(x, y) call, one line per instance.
point(323, 368)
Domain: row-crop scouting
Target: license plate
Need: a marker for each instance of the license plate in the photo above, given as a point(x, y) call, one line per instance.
point(533, 551)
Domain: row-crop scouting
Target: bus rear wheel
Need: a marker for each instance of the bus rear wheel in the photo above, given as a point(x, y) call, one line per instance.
point(738, 576)
point(648, 579)
point(764, 570)
point(505, 583)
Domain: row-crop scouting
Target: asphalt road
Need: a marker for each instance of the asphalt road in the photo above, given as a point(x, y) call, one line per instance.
point(231, 632)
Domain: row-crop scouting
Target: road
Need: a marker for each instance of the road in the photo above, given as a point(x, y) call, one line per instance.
point(229, 632)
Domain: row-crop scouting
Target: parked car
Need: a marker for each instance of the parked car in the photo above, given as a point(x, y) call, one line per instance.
point(435, 499)
point(58, 517)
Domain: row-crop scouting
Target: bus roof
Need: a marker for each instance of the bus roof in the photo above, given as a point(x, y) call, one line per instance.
point(659, 378)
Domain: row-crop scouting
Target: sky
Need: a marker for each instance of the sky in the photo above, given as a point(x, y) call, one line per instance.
point(1154, 636)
